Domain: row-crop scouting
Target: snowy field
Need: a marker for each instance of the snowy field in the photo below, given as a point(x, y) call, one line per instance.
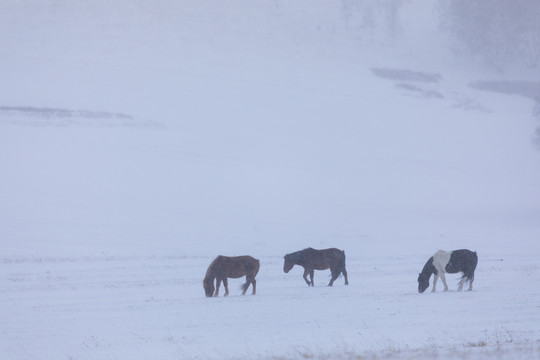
point(139, 140)
point(154, 307)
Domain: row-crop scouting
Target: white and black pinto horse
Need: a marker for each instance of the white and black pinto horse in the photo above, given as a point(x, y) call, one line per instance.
point(450, 262)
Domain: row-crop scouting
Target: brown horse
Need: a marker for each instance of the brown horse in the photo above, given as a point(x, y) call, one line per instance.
point(312, 259)
point(224, 267)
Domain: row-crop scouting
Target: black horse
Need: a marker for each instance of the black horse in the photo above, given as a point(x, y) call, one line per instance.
point(450, 262)
point(311, 259)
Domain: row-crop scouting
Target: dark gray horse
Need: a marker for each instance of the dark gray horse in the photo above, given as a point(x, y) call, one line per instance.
point(311, 259)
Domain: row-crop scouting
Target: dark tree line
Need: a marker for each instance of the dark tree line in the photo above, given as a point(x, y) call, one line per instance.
point(501, 32)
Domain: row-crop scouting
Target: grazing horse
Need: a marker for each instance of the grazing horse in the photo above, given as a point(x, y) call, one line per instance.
point(224, 267)
point(311, 259)
point(451, 262)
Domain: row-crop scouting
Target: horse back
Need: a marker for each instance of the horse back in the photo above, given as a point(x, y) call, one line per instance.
point(462, 260)
point(236, 266)
point(324, 259)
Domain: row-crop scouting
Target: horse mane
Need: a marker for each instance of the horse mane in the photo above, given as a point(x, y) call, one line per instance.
point(210, 272)
point(297, 255)
point(428, 268)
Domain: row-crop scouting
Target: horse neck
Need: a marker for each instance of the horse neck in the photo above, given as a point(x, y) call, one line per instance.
point(428, 269)
point(211, 272)
point(297, 257)
point(209, 277)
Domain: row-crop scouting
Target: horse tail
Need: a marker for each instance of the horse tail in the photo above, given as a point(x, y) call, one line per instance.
point(473, 267)
point(339, 267)
point(468, 275)
point(467, 278)
point(257, 267)
point(250, 277)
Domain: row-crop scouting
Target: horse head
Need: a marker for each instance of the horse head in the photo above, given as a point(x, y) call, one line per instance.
point(288, 264)
point(208, 284)
point(423, 283)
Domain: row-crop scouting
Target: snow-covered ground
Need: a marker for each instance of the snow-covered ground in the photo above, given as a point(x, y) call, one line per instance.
point(144, 307)
point(139, 140)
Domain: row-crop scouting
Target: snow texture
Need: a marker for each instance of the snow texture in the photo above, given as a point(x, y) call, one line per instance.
point(141, 139)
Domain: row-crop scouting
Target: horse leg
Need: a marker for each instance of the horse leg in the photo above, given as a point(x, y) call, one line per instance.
point(226, 284)
point(306, 272)
point(435, 278)
point(470, 277)
point(254, 285)
point(461, 282)
point(335, 275)
point(444, 281)
point(311, 276)
point(466, 277)
point(345, 275)
point(218, 283)
point(246, 285)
